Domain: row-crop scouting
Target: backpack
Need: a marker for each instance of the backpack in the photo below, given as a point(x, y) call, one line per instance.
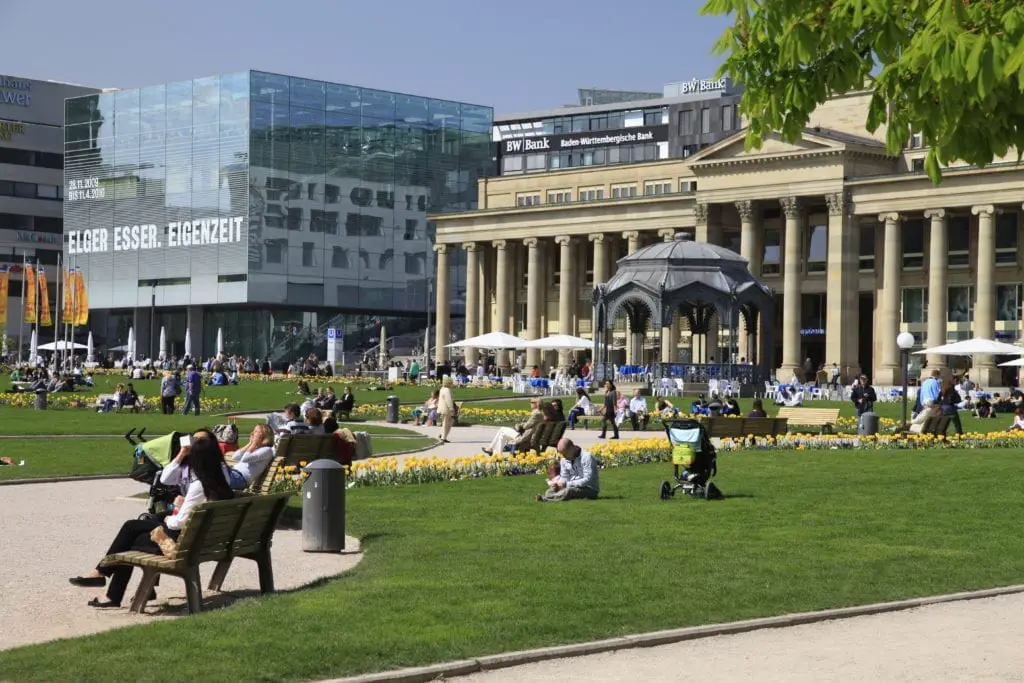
point(226, 433)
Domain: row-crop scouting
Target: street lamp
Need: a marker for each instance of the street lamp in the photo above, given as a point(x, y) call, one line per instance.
point(905, 341)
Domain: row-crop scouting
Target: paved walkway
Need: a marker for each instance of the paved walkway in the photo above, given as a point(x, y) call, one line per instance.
point(976, 640)
point(54, 531)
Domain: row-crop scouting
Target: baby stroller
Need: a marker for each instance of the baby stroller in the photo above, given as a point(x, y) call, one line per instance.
point(693, 453)
point(149, 460)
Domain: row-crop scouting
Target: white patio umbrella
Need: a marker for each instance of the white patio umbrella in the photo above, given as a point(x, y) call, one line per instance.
point(131, 342)
point(1015, 363)
point(61, 345)
point(33, 348)
point(188, 342)
point(491, 340)
point(90, 350)
point(560, 342)
point(220, 340)
point(163, 343)
point(974, 347)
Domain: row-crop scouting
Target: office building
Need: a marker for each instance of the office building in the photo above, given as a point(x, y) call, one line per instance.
point(31, 180)
point(271, 207)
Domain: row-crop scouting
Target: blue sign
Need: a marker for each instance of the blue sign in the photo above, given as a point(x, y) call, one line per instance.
point(330, 333)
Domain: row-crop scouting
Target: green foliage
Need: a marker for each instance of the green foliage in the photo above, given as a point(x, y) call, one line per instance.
point(952, 70)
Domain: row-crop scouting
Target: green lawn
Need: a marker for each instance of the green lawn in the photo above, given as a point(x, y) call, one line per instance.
point(456, 570)
point(104, 455)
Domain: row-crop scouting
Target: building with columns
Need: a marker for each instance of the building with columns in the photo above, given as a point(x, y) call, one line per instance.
point(857, 243)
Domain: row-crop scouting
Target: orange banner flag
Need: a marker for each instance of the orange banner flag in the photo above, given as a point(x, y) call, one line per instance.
point(3, 298)
point(81, 299)
point(28, 294)
point(44, 301)
point(69, 291)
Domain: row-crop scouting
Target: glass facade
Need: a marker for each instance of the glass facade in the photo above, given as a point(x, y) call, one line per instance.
point(305, 199)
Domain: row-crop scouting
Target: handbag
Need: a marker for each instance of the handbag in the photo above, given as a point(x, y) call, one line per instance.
point(168, 546)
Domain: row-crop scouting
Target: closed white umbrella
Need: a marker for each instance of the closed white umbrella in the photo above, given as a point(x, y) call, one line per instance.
point(188, 342)
point(975, 347)
point(382, 352)
point(220, 340)
point(33, 348)
point(491, 340)
point(90, 350)
point(163, 343)
point(131, 342)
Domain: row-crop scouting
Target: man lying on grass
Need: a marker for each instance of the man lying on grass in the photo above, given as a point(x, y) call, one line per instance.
point(577, 475)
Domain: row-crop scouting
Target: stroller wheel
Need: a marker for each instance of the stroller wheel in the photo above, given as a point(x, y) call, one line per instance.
point(666, 490)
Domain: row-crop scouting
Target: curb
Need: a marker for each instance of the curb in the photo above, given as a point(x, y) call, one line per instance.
point(60, 480)
point(509, 659)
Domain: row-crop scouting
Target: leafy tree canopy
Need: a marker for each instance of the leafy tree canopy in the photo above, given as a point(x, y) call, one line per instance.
point(952, 70)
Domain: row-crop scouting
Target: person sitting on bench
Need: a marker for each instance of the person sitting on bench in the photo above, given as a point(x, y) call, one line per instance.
point(638, 414)
point(519, 435)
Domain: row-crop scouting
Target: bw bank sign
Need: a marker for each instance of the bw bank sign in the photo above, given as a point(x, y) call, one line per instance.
point(574, 141)
point(15, 91)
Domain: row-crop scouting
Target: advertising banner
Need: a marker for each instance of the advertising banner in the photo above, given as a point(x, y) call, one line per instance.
point(29, 294)
point(44, 301)
point(569, 142)
point(69, 294)
point(81, 311)
point(3, 297)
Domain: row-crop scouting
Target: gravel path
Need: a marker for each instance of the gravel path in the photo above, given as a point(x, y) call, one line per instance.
point(54, 531)
point(974, 640)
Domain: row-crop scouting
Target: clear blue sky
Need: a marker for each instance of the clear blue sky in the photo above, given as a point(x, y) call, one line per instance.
point(517, 56)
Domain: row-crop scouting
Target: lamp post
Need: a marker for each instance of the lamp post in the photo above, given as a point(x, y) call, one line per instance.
point(905, 342)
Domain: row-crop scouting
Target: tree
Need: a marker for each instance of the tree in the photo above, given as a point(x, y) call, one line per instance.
point(951, 70)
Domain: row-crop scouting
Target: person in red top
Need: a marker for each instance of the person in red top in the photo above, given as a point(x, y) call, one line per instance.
point(535, 372)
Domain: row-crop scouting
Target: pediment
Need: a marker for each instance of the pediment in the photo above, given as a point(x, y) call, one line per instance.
point(772, 146)
point(817, 140)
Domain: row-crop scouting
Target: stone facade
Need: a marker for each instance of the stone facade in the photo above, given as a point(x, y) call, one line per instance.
point(857, 243)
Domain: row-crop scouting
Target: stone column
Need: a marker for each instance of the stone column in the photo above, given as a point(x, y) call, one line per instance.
point(842, 292)
point(791, 276)
point(709, 231)
point(669, 234)
point(984, 370)
point(668, 344)
point(938, 266)
point(472, 297)
point(566, 292)
point(600, 276)
point(887, 369)
point(749, 215)
point(443, 307)
point(633, 352)
point(502, 295)
point(534, 297)
point(486, 269)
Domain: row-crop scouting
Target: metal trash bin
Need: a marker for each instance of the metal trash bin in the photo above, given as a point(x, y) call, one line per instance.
point(868, 424)
point(41, 399)
point(393, 404)
point(323, 507)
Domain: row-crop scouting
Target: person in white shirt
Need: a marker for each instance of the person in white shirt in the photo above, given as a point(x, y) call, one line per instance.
point(288, 422)
point(249, 461)
point(207, 481)
point(583, 406)
point(638, 414)
point(577, 477)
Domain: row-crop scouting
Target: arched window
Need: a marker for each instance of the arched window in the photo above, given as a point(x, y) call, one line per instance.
point(387, 258)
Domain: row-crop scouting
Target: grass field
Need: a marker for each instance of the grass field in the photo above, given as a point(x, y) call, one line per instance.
point(455, 570)
point(104, 455)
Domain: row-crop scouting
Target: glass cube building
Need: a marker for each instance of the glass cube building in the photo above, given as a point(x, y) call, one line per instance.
point(269, 206)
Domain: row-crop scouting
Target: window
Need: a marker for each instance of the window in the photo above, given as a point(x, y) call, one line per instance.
point(623, 191)
point(687, 185)
point(528, 200)
point(690, 149)
point(536, 162)
point(728, 117)
point(307, 254)
point(658, 187)
point(1008, 302)
point(275, 251)
point(705, 120)
point(415, 264)
point(913, 244)
point(513, 164)
point(1006, 238)
point(959, 241)
point(339, 258)
point(294, 221)
point(385, 260)
point(46, 191)
point(770, 265)
point(917, 165)
point(560, 197)
point(590, 194)
point(688, 122)
point(25, 157)
point(817, 248)
point(915, 141)
point(915, 305)
point(410, 229)
point(27, 190)
point(653, 117)
point(867, 247)
point(961, 305)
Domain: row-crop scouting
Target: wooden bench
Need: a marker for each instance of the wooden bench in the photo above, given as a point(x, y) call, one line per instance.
point(291, 449)
point(738, 427)
point(101, 398)
point(546, 435)
point(824, 418)
point(217, 531)
point(936, 426)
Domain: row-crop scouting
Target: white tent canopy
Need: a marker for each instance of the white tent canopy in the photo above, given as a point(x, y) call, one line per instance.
point(61, 346)
point(560, 342)
point(974, 347)
point(491, 340)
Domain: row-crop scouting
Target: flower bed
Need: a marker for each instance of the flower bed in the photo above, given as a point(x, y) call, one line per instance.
point(63, 400)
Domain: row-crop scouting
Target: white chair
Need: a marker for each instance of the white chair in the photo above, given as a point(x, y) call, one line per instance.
point(680, 386)
point(712, 388)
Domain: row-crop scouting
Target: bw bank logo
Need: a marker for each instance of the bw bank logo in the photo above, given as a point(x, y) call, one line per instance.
point(522, 145)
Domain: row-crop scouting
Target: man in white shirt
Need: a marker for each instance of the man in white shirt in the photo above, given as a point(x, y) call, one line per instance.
point(577, 476)
point(638, 414)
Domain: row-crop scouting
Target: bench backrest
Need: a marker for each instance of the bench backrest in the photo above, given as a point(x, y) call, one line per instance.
point(263, 483)
point(546, 435)
point(296, 448)
point(744, 426)
point(214, 531)
point(810, 416)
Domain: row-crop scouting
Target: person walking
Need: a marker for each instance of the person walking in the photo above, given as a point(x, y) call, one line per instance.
point(169, 390)
point(446, 408)
point(611, 399)
point(949, 403)
point(193, 387)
